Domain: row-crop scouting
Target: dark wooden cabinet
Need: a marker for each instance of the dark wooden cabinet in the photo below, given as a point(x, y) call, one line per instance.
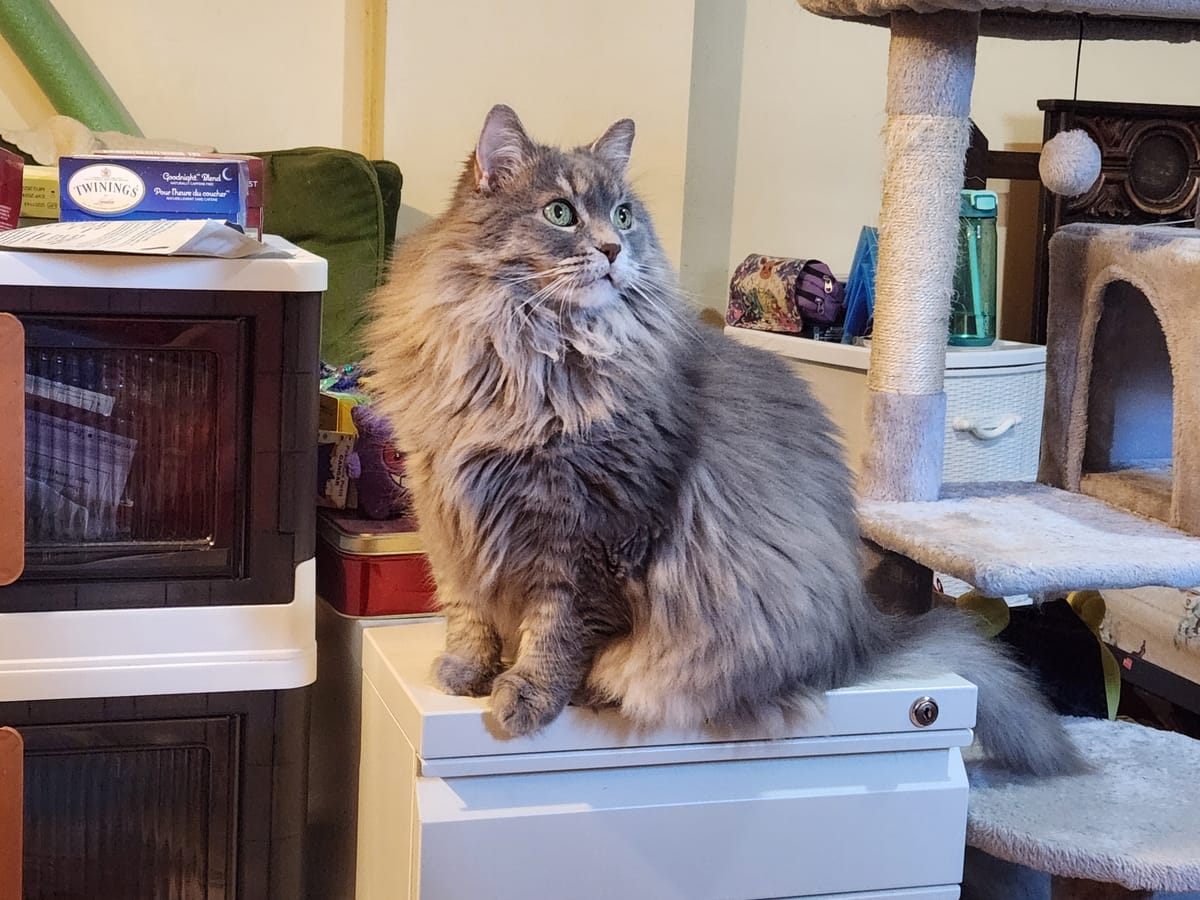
point(168, 446)
point(188, 797)
point(162, 417)
point(132, 806)
point(1149, 172)
point(12, 791)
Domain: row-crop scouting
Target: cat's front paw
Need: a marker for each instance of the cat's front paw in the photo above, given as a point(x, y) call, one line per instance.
point(522, 706)
point(463, 676)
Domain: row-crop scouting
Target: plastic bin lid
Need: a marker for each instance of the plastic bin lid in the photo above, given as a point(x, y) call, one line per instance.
point(1001, 353)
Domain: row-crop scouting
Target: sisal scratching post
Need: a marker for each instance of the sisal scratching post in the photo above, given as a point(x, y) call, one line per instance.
point(931, 65)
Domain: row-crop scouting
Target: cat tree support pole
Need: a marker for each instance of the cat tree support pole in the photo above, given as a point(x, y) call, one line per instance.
point(931, 65)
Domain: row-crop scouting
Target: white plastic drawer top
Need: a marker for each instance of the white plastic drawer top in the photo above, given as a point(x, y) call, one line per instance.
point(457, 735)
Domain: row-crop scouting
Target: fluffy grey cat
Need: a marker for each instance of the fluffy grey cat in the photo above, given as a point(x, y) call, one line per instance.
point(623, 507)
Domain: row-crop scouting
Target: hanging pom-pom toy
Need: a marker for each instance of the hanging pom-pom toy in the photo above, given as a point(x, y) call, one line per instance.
point(1070, 163)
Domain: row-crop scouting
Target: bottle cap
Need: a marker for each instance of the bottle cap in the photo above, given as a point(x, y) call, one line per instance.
point(978, 204)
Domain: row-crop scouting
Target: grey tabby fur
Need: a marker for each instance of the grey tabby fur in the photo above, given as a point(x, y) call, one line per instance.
point(634, 509)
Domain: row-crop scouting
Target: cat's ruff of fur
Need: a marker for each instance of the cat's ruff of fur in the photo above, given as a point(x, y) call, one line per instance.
point(640, 511)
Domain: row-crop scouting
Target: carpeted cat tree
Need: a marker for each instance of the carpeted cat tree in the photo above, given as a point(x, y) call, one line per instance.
point(1067, 532)
point(985, 534)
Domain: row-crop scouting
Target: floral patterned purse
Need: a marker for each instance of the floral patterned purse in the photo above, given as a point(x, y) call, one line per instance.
point(773, 293)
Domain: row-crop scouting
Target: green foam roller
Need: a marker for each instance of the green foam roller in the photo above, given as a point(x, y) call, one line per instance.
point(61, 67)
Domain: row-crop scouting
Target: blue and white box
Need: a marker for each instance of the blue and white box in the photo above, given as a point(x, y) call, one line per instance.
point(140, 187)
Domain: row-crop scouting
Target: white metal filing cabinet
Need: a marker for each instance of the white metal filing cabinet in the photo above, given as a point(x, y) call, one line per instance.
point(861, 803)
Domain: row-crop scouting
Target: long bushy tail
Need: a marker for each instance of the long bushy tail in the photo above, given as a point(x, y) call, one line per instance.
point(1015, 725)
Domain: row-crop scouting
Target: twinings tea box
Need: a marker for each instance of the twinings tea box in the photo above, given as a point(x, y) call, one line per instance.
point(10, 189)
point(149, 187)
point(256, 190)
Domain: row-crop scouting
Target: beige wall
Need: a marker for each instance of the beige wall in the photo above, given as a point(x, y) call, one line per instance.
point(21, 103)
point(758, 123)
point(718, 38)
point(292, 75)
point(569, 69)
point(238, 75)
point(809, 155)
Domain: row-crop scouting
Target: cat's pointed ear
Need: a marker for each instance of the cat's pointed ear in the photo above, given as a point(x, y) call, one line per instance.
point(616, 144)
point(503, 146)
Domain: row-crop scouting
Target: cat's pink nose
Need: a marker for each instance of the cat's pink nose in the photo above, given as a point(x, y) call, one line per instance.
point(610, 250)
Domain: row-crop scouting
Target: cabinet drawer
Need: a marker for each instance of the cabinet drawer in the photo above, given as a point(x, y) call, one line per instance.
point(124, 809)
point(709, 831)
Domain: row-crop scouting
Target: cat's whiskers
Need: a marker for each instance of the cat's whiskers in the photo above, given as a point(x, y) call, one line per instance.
point(561, 275)
point(638, 288)
point(561, 308)
point(531, 304)
point(568, 268)
point(644, 277)
point(694, 296)
point(539, 273)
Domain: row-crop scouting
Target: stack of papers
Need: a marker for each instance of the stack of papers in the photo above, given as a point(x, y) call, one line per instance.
point(159, 237)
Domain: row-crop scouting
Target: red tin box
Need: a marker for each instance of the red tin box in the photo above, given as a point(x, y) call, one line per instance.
point(367, 567)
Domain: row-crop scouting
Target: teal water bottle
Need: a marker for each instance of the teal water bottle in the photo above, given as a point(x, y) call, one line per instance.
point(973, 304)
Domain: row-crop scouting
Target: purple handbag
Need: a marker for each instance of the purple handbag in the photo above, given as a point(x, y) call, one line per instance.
point(774, 293)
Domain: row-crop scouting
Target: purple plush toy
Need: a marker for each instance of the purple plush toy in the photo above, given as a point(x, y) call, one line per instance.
point(380, 476)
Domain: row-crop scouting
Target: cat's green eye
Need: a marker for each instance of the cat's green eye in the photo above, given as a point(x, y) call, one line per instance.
point(623, 217)
point(560, 213)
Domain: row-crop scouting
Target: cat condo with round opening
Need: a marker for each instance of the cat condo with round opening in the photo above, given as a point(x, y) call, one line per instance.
point(1120, 424)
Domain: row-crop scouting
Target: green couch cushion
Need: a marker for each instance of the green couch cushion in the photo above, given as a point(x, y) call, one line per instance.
point(390, 183)
point(331, 203)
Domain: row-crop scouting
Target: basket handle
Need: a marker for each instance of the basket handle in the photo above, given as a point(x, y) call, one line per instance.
point(986, 432)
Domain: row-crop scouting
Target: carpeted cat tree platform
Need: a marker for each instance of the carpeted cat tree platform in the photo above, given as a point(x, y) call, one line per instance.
point(1126, 829)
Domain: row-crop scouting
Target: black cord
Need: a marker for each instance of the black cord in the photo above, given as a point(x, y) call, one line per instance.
point(1078, 57)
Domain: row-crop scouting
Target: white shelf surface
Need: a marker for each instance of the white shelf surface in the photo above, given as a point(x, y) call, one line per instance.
point(858, 356)
point(162, 650)
point(1011, 538)
point(298, 272)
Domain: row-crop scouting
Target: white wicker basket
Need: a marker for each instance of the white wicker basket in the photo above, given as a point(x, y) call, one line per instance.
point(993, 423)
point(988, 389)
